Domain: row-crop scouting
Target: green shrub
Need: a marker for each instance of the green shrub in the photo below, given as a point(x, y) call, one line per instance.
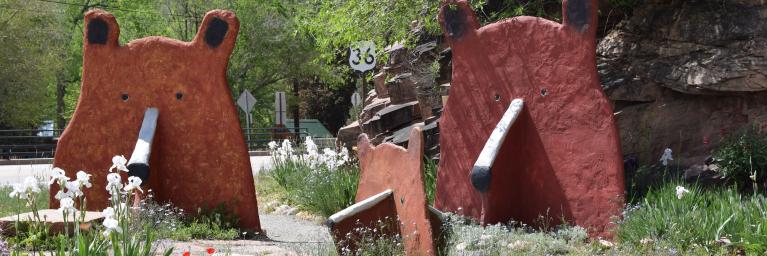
point(742, 157)
point(321, 183)
point(466, 237)
point(696, 221)
point(167, 221)
point(326, 191)
point(430, 179)
point(9, 205)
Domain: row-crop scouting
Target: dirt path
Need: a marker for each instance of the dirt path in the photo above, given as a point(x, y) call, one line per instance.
point(287, 235)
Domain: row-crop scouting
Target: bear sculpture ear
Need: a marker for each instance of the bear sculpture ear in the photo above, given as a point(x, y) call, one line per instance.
point(457, 19)
point(363, 145)
point(100, 28)
point(415, 143)
point(218, 30)
point(580, 14)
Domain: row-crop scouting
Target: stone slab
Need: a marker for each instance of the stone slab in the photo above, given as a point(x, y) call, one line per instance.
point(51, 217)
point(562, 157)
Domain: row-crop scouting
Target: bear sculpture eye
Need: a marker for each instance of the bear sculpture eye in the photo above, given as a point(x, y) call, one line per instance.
point(125, 97)
point(179, 95)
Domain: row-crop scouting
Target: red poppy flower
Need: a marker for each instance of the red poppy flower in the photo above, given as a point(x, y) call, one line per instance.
point(211, 250)
point(187, 253)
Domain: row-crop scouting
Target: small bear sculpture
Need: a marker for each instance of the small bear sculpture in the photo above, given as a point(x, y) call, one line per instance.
point(391, 198)
point(561, 159)
point(197, 158)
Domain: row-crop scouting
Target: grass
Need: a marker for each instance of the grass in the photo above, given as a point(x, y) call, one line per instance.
point(319, 190)
point(468, 238)
point(430, 179)
point(699, 221)
point(164, 219)
point(9, 206)
point(168, 221)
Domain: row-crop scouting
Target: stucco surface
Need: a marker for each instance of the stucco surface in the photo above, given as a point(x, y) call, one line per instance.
point(562, 157)
point(199, 158)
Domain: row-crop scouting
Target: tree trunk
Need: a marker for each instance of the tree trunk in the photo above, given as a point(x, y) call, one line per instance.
point(61, 90)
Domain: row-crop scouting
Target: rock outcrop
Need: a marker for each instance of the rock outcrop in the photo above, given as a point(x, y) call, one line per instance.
point(684, 74)
point(405, 94)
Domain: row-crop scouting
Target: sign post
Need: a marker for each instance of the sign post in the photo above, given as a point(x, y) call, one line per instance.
point(362, 57)
point(246, 101)
point(356, 99)
point(280, 108)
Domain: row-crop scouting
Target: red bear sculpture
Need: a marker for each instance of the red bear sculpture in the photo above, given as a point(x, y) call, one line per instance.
point(391, 187)
point(198, 155)
point(561, 158)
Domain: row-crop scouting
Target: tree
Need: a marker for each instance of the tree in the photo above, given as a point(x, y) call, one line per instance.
point(28, 65)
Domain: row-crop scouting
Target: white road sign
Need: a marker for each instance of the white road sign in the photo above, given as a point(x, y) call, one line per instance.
point(356, 99)
point(362, 56)
point(280, 108)
point(246, 101)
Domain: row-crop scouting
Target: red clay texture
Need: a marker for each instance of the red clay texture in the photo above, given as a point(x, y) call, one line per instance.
point(562, 157)
point(387, 166)
point(199, 158)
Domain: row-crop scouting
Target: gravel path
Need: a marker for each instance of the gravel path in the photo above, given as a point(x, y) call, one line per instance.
point(286, 235)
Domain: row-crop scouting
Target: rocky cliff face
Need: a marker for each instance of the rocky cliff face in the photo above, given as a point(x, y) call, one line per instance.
point(405, 94)
point(684, 74)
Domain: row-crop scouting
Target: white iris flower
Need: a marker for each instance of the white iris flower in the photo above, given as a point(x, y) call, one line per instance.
point(133, 183)
point(118, 162)
point(84, 179)
point(57, 174)
point(111, 225)
point(680, 191)
point(114, 182)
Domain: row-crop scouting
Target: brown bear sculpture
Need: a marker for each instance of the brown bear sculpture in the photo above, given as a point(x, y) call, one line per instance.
point(197, 158)
point(561, 159)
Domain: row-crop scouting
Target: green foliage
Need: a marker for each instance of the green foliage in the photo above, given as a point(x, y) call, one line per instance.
point(319, 190)
point(321, 183)
point(204, 229)
point(28, 63)
point(486, 13)
point(430, 179)
point(10, 205)
point(742, 156)
point(217, 223)
point(468, 238)
point(697, 222)
point(335, 24)
point(381, 239)
point(167, 221)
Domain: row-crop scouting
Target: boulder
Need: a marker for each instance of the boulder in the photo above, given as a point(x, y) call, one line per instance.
point(347, 135)
point(401, 88)
point(391, 117)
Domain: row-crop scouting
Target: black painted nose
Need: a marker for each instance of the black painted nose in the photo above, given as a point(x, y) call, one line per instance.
point(480, 178)
point(138, 165)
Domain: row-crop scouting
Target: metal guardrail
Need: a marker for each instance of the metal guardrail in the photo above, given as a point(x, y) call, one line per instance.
point(259, 138)
point(41, 143)
point(28, 143)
